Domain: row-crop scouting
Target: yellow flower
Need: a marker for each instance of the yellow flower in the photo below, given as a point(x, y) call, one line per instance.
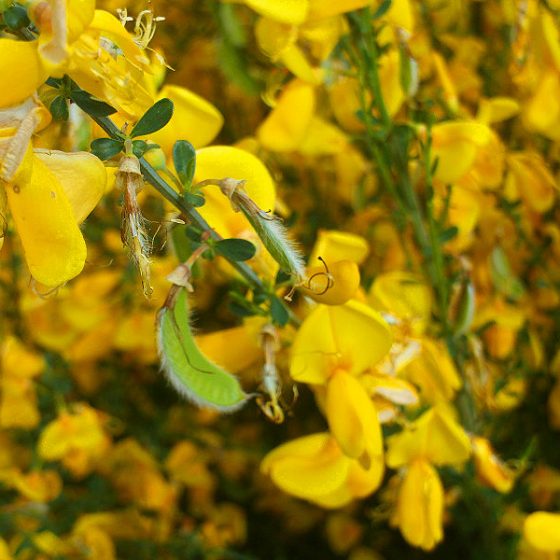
point(419, 512)
point(285, 129)
point(332, 285)
point(455, 145)
point(435, 437)
point(18, 400)
point(76, 438)
point(542, 531)
point(489, 469)
point(315, 469)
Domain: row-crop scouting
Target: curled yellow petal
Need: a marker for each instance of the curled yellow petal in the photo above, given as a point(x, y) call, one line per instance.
point(81, 175)
point(53, 244)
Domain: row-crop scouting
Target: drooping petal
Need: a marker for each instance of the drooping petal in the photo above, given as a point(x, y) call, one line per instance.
point(420, 506)
point(353, 419)
point(53, 244)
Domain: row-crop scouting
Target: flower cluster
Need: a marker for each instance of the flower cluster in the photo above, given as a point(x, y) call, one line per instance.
point(360, 203)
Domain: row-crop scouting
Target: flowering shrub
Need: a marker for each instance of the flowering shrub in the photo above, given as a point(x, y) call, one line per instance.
point(333, 220)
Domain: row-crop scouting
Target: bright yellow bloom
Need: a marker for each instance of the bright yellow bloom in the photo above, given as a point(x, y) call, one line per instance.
point(435, 437)
point(419, 512)
point(489, 469)
point(76, 438)
point(542, 531)
point(18, 400)
point(315, 469)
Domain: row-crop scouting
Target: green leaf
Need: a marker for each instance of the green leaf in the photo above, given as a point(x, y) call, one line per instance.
point(139, 147)
point(503, 277)
point(156, 117)
point(448, 234)
point(106, 148)
point(382, 9)
point(15, 17)
point(184, 160)
point(278, 311)
point(91, 105)
point(190, 372)
point(196, 200)
point(235, 249)
point(59, 109)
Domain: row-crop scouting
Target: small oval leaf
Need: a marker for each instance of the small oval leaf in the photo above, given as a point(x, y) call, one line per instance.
point(91, 105)
point(235, 249)
point(156, 117)
point(184, 160)
point(106, 148)
point(278, 311)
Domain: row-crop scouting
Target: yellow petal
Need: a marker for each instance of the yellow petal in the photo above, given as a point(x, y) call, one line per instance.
point(308, 467)
point(18, 361)
point(455, 145)
point(353, 419)
point(319, 9)
point(286, 127)
point(293, 12)
point(420, 506)
point(489, 469)
point(403, 295)
point(350, 336)
point(323, 138)
point(497, 109)
point(273, 37)
point(234, 349)
point(53, 244)
point(435, 436)
point(82, 176)
point(194, 119)
point(333, 246)
point(542, 531)
point(334, 287)
point(218, 162)
point(20, 62)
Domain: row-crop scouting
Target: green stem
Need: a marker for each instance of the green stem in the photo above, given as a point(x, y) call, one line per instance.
point(170, 194)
